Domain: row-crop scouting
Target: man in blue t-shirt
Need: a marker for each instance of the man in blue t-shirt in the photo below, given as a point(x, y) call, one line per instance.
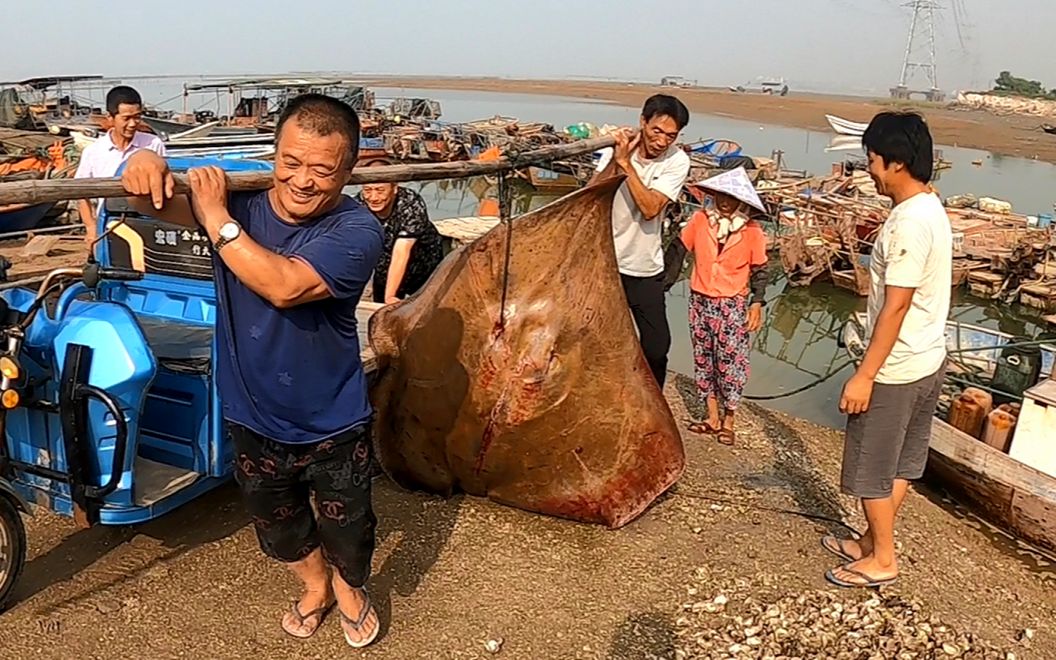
point(290, 266)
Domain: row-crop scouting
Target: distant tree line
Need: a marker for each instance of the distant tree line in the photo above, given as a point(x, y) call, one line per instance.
point(1009, 85)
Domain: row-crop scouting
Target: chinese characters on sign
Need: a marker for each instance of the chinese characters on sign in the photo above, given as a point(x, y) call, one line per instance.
point(175, 238)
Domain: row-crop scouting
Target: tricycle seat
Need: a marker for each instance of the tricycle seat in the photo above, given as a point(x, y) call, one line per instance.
point(178, 346)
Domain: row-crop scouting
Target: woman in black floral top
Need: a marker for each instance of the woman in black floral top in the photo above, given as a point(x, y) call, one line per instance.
point(413, 247)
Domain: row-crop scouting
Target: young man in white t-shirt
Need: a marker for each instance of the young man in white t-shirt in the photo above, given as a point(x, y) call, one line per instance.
point(891, 398)
point(656, 170)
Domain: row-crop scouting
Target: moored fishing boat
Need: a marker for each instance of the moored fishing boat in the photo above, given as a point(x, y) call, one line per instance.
point(23, 217)
point(1000, 486)
point(846, 127)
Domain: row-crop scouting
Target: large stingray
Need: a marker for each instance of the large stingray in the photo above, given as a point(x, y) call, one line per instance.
point(548, 407)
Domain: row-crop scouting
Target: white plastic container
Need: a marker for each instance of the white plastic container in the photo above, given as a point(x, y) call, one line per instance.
point(1034, 441)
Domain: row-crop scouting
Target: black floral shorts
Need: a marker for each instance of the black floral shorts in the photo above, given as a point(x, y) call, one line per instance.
point(281, 482)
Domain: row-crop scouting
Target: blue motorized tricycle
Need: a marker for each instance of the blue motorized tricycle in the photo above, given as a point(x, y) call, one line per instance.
point(108, 407)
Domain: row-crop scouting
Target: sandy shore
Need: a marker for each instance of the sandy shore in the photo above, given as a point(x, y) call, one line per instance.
point(449, 575)
point(1009, 136)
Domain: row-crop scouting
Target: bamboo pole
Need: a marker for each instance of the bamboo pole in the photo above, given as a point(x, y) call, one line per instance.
point(55, 190)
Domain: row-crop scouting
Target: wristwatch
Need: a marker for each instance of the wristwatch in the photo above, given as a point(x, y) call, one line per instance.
point(229, 231)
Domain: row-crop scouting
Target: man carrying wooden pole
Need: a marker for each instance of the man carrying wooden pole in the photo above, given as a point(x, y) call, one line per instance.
point(290, 265)
point(277, 252)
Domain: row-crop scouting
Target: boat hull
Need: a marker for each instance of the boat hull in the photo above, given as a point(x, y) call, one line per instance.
point(845, 127)
point(26, 218)
point(1002, 490)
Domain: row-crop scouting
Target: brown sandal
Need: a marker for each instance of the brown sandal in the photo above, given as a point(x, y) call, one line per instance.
point(727, 437)
point(702, 428)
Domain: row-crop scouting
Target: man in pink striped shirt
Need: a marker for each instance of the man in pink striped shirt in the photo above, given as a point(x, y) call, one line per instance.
point(102, 158)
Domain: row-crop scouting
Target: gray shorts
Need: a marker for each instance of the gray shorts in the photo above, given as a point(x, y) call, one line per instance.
point(890, 440)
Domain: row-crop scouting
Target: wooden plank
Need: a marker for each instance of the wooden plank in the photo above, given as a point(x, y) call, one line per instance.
point(985, 277)
point(1035, 519)
point(53, 190)
point(1038, 296)
point(984, 459)
point(466, 229)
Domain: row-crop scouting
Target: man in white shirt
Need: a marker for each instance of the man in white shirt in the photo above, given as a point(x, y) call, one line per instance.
point(656, 170)
point(103, 157)
point(891, 398)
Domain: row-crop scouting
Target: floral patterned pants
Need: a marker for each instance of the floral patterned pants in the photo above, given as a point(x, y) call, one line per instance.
point(721, 347)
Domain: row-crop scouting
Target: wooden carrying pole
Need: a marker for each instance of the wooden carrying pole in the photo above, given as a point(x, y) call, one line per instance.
point(55, 190)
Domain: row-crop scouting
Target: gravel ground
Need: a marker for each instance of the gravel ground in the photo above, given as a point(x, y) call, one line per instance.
point(720, 567)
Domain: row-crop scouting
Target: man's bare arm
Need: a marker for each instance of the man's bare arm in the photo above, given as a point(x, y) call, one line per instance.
point(650, 202)
point(283, 281)
point(401, 256)
point(858, 391)
point(897, 301)
point(84, 209)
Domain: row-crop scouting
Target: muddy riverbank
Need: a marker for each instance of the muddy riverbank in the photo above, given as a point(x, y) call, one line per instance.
point(1005, 135)
point(452, 575)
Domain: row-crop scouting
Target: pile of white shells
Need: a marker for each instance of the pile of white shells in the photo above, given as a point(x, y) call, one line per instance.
point(822, 624)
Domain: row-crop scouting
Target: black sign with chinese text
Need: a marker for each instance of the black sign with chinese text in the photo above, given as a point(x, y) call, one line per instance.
point(160, 248)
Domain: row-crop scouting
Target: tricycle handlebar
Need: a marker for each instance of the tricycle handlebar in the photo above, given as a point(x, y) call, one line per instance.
point(94, 273)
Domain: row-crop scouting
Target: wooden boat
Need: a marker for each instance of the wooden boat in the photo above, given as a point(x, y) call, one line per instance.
point(846, 127)
point(544, 179)
point(718, 149)
point(1006, 492)
point(855, 280)
point(1049, 128)
point(23, 217)
point(248, 152)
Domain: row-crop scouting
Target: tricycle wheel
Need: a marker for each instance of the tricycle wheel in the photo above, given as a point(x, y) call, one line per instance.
point(12, 548)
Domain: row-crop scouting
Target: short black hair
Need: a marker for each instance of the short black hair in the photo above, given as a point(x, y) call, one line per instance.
point(122, 94)
point(323, 115)
point(902, 137)
point(667, 106)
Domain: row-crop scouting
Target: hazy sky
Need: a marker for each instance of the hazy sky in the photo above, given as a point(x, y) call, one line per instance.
point(824, 45)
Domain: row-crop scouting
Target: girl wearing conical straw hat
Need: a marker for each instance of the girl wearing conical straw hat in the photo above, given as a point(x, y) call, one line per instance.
point(727, 296)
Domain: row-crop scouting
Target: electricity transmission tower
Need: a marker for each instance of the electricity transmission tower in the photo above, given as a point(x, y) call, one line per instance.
point(920, 52)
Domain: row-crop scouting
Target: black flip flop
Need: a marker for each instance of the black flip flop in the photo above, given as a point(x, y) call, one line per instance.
point(321, 612)
point(839, 544)
point(870, 583)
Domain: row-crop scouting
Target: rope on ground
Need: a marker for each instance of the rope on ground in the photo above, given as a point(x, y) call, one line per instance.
point(772, 509)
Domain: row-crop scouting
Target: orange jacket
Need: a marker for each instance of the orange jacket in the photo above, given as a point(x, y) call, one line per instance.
point(722, 274)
